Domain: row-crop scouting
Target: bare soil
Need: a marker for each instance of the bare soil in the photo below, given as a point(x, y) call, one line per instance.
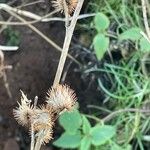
point(34, 66)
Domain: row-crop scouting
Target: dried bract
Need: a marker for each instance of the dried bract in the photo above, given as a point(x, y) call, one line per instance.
point(61, 98)
point(23, 112)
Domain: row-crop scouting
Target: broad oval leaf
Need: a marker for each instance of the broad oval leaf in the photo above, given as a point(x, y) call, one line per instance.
point(71, 121)
point(68, 141)
point(131, 34)
point(101, 44)
point(144, 45)
point(86, 143)
point(86, 126)
point(101, 134)
point(117, 147)
point(101, 22)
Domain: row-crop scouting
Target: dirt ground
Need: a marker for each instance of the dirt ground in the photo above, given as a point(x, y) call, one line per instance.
point(34, 66)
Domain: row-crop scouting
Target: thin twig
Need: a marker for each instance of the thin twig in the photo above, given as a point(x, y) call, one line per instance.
point(41, 34)
point(4, 26)
point(31, 3)
point(99, 108)
point(22, 5)
point(8, 48)
point(32, 138)
point(27, 13)
point(145, 36)
point(6, 84)
point(3, 74)
point(38, 18)
point(115, 113)
point(35, 101)
point(145, 18)
point(38, 141)
point(68, 37)
point(44, 19)
point(94, 118)
point(148, 6)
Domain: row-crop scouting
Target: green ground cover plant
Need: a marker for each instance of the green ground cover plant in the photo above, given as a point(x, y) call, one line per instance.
point(126, 101)
point(80, 134)
point(12, 37)
point(121, 120)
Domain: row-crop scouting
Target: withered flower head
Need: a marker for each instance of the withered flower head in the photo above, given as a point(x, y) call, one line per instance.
point(42, 118)
point(61, 98)
point(47, 135)
point(23, 112)
point(60, 6)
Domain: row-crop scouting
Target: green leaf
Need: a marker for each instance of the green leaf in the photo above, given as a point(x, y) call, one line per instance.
point(101, 22)
point(68, 141)
point(86, 125)
point(71, 121)
point(101, 44)
point(116, 147)
point(129, 147)
point(131, 34)
point(102, 134)
point(85, 143)
point(144, 45)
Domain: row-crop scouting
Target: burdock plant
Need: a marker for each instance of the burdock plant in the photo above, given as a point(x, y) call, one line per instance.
point(60, 98)
point(40, 119)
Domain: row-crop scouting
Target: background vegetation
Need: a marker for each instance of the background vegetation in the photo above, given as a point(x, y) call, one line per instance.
point(113, 54)
point(122, 73)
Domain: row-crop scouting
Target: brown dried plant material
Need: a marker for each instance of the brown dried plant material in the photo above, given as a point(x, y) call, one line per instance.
point(25, 110)
point(61, 98)
point(42, 118)
point(3, 68)
point(47, 135)
point(60, 6)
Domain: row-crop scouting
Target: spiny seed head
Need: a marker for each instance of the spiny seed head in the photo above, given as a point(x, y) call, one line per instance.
point(42, 118)
point(47, 135)
point(60, 6)
point(23, 112)
point(61, 98)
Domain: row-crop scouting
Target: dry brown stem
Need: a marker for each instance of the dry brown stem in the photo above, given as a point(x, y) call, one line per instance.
point(39, 33)
point(3, 73)
point(68, 37)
